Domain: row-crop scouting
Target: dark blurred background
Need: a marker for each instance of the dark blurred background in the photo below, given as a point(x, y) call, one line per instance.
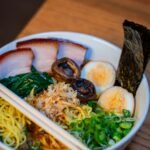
point(14, 15)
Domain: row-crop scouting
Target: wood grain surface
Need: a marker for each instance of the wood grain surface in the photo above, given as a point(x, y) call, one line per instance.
point(101, 18)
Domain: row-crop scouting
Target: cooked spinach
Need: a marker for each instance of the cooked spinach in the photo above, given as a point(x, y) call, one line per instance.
point(1, 138)
point(23, 84)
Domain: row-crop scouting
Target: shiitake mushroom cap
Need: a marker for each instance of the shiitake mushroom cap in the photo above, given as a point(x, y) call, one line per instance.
point(65, 69)
point(85, 89)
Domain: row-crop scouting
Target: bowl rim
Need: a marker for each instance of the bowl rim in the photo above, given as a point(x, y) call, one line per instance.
point(97, 39)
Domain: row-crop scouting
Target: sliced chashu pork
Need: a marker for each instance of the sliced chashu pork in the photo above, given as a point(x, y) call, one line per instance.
point(15, 62)
point(45, 52)
point(73, 51)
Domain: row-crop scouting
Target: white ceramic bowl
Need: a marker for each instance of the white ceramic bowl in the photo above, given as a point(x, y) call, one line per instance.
point(101, 50)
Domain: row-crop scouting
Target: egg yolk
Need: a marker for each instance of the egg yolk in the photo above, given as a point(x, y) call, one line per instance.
point(99, 75)
point(115, 101)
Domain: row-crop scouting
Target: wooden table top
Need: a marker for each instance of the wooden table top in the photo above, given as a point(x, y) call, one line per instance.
point(101, 18)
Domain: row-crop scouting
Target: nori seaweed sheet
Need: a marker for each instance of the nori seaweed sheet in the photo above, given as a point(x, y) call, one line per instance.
point(134, 56)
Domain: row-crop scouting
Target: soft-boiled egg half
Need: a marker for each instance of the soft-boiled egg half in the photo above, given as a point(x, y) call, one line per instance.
point(116, 99)
point(101, 74)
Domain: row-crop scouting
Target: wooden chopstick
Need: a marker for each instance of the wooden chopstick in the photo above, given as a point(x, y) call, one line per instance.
point(40, 119)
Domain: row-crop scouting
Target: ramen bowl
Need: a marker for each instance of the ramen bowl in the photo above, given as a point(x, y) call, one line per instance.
point(100, 49)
